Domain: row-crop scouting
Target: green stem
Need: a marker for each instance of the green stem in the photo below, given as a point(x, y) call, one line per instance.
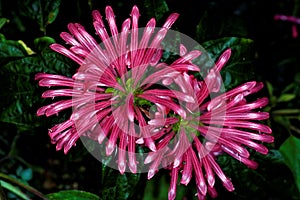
point(286, 111)
point(293, 128)
point(14, 190)
point(27, 187)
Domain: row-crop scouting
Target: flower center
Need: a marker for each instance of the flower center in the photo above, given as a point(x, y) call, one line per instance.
point(130, 88)
point(189, 124)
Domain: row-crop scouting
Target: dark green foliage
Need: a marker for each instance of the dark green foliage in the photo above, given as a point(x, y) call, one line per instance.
point(290, 151)
point(43, 12)
point(117, 186)
point(157, 9)
point(19, 92)
point(72, 195)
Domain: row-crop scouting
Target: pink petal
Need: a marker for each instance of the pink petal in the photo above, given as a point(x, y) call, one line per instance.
point(173, 184)
point(130, 107)
point(62, 50)
point(226, 182)
point(187, 168)
point(170, 93)
point(70, 39)
point(187, 57)
point(250, 106)
point(201, 185)
point(249, 163)
point(97, 17)
point(121, 153)
point(110, 16)
point(223, 59)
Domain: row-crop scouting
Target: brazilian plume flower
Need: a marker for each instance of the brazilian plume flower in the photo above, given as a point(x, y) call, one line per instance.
point(114, 87)
point(225, 123)
point(124, 95)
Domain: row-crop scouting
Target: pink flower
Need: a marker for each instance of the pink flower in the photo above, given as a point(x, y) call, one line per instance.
point(116, 85)
point(227, 123)
point(124, 95)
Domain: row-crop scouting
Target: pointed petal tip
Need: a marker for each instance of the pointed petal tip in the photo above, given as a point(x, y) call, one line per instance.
point(251, 164)
point(109, 148)
point(183, 50)
point(100, 138)
point(175, 15)
point(185, 179)
point(108, 9)
point(54, 46)
point(211, 181)
point(270, 139)
point(122, 167)
point(151, 173)
point(223, 59)
point(228, 51)
point(40, 111)
point(133, 168)
point(202, 188)
point(140, 141)
point(151, 24)
point(39, 76)
point(135, 7)
point(67, 148)
point(135, 11)
point(176, 162)
point(58, 147)
point(148, 159)
point(170, 21)
point(228, 185)
point(171, 194)
point(152, 146)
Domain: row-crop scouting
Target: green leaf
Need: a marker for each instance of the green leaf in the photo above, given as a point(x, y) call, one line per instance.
point(286, 97)
point(25, 186)
point(10, 50)
point(72, 195)
point(25, 174)
point(43, 42)
point(14, 190)
point(117, 186)
point(3, 21)
point(44, 12)
point(290, 150)
point(272, 98)
point(270, 88)
point(159, 8)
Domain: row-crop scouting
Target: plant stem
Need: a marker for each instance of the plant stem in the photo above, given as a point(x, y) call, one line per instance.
point(27, 187)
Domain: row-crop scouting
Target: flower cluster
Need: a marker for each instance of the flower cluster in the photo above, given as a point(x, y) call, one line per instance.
point(124, 95)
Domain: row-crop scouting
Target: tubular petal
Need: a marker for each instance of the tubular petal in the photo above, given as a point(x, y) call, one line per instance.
point(173, 184)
